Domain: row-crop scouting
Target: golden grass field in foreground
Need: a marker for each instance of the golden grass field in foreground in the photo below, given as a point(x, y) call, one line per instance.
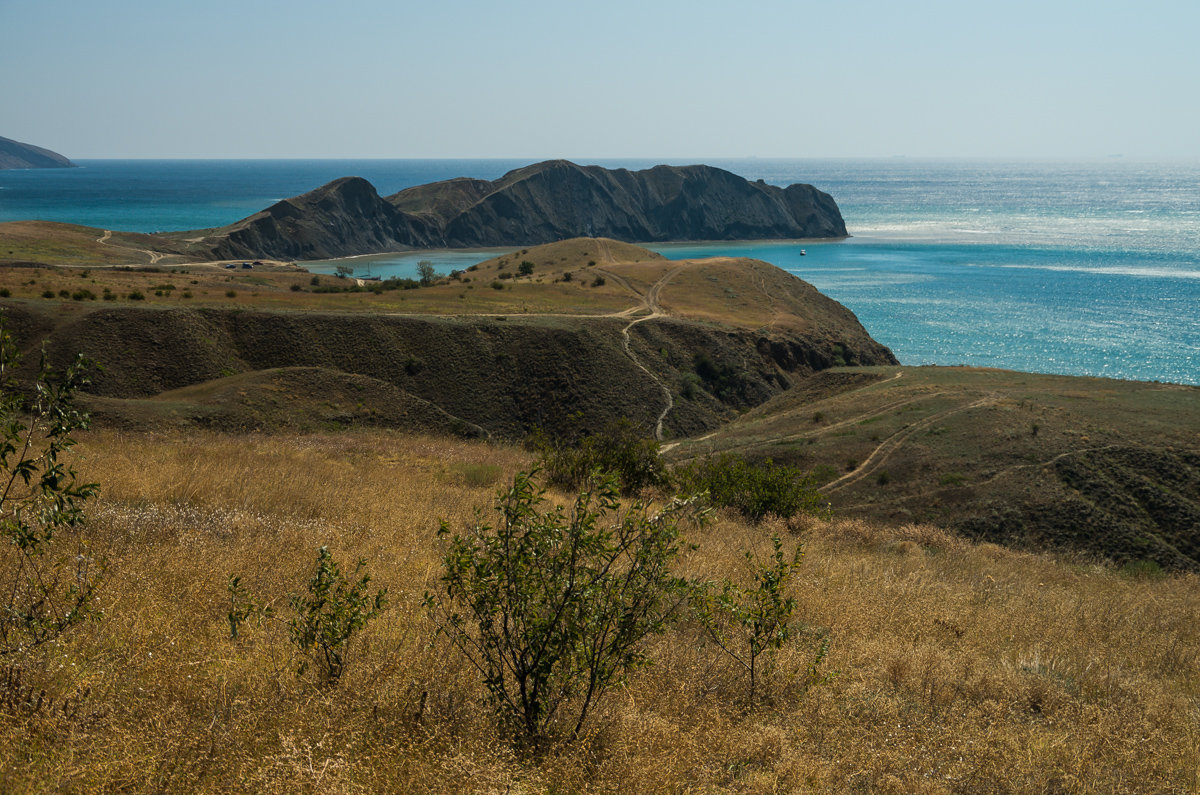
point(960, 667)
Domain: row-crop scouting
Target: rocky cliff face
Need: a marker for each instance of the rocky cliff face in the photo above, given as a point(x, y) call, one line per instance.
point(343, 218)
point(14, 154)
point(541, 203)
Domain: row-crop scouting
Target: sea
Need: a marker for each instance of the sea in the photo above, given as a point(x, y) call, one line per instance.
point(1070, 267)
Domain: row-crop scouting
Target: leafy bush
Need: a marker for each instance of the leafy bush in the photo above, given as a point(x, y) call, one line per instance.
point(620, 448)
point(722, 380)
point(525, 268)
point(48, 576)
point(598, 281)
point(552, 607)
point(328, 616)
point(754, 490)
point(325, 618)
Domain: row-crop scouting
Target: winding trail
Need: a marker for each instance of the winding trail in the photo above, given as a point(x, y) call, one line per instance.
point(154, 256)
point(854, 420)
point(655, 311)
point(896, 441)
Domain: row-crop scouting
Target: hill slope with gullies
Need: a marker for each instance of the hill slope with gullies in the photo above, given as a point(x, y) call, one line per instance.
point(710, 356)
point(577, 334)
point(1108, 468)
point(538, 204)
point(14, 154)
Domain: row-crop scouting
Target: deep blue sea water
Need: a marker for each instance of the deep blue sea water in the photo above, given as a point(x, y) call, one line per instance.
point(1085, 268)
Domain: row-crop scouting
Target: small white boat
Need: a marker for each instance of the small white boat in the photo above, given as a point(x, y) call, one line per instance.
point(803, 253)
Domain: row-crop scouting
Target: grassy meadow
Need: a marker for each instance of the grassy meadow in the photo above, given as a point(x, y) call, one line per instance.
point(955, 667)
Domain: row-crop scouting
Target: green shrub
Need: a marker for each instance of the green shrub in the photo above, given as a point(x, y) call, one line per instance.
point(5, 292)
point(598, 281)
point(497, 285)
point(748, 622)
point(48, 575)
point(723, 380)
point(136, 295)
point(754, 490)
point(325, 619)
point(335, 608)
point(552, 607)
point(525, 268)
point(47, 293)
point(620, 448)
point(1143, 570)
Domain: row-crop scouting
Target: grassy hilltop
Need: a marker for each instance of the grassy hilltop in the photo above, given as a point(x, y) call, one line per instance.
point(1004, 594)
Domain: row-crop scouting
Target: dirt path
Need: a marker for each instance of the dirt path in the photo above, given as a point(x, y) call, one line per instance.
point(651, 305)
point(1016, 467)
point(154, 256)
point(857, 418)
point(655, 312)
point(895, 442)
point(762, 286)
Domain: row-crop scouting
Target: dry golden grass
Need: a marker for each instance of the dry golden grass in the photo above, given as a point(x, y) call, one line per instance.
point(960, 668)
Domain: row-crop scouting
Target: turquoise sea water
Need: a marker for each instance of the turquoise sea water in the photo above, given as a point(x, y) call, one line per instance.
point(1076, 268)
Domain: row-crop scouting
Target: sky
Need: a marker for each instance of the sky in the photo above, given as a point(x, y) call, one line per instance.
point(642, 78)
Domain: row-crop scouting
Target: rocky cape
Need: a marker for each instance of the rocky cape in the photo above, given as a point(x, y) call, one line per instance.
point(14, 154)
point(537, 204)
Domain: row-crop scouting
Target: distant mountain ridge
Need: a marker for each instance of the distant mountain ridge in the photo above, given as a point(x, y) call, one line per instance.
point(14, 154)
point(541, 203)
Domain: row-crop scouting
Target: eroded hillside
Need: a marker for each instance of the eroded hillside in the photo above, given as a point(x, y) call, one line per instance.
point(1109, 468)
point(601, 330)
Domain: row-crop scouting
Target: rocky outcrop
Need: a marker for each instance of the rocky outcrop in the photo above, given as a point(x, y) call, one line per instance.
point(14, 154)
point(537, 204)
point(343, 218)
point(559, 199)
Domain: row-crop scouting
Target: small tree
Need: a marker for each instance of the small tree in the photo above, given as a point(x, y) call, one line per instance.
point(552, 607)
point(343, 271)
point(48, 577)
point(748, 622)
point(426, 272)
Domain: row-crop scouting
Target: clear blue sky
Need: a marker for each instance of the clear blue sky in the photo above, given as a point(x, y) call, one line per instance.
point(645, 78)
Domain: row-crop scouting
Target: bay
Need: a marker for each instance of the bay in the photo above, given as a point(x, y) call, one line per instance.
point(1080, 268)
